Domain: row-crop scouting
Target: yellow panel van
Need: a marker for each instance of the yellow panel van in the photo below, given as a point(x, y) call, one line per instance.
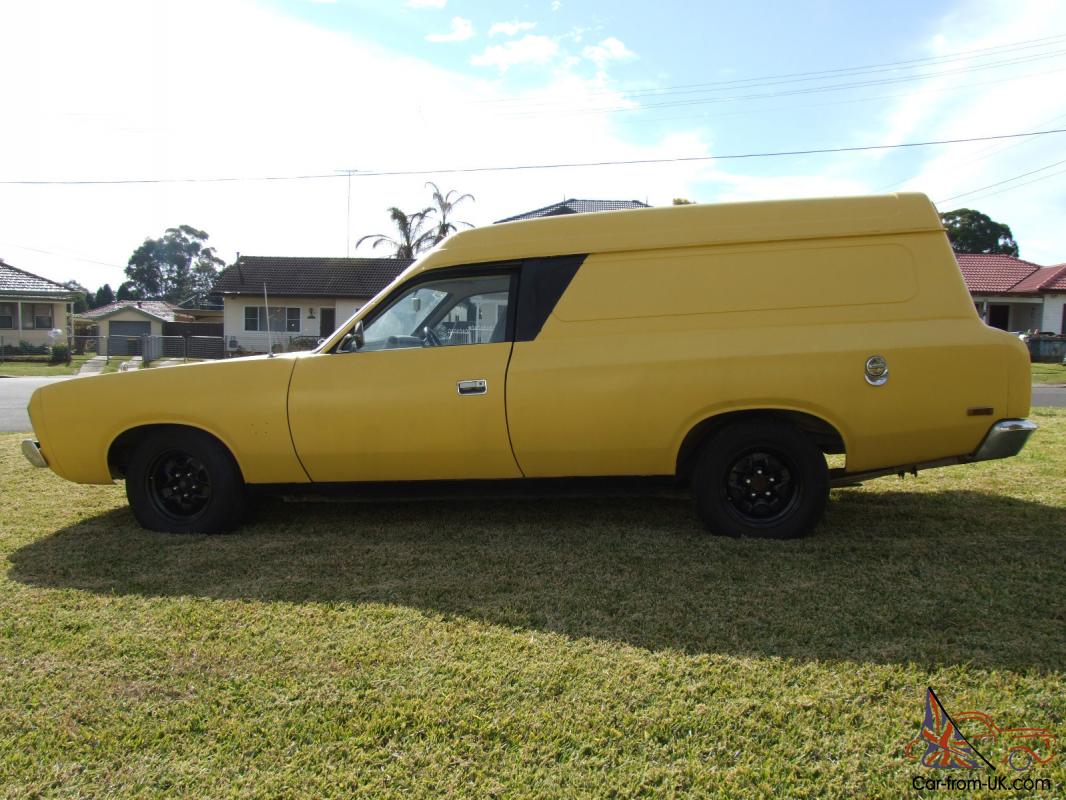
point(728, 348)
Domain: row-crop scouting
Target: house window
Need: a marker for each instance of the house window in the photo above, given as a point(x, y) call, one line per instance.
point(280, 319)
point(7, 315)
point(37, 315)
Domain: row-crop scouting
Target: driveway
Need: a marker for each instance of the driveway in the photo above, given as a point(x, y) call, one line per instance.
point(14, 395)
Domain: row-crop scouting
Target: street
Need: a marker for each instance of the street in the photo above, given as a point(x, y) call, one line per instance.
point(1049, 396)
point(14, 395)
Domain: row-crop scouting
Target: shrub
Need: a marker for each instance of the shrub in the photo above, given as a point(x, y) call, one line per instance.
point(60, 354)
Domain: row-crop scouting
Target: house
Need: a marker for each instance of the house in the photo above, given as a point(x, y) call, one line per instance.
point(31, 307)
point(306, 297)
point(1013, 294)
point(573, 206)
point(134, 317)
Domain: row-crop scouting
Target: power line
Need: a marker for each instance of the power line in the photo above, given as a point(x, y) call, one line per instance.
point(61, 255)
point(789, 77)
point(1019, 185)
point(560, 165)
point(833, 87)
point(1000, 183)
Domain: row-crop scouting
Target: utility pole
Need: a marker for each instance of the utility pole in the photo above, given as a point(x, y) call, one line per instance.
point(348, 212)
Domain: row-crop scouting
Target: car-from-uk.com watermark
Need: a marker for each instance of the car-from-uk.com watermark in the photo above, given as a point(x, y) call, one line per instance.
point(988, 757)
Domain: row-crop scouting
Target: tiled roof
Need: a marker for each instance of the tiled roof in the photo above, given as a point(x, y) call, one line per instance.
point(309, 277)
point(573, 206)
point(153, 308)
point(15, 282)
point(1057, 283)
point(1043, 280)
point(993, 273)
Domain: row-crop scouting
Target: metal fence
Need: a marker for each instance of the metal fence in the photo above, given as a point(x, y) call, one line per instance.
point(150, 348)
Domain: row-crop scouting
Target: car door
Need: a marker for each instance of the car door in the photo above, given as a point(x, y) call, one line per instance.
point(421, 397)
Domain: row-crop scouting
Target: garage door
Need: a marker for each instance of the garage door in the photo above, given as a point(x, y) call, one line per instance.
point(123, 338)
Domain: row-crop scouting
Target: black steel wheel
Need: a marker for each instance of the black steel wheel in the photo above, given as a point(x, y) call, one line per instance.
point(181, 480)
point(179, 485)
point(761, 479)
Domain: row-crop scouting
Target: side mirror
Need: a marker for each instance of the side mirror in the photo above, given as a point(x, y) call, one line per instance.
point(357, 334)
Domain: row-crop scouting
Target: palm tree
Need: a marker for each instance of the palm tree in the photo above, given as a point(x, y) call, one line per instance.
point(445, 204)
point(412, 238)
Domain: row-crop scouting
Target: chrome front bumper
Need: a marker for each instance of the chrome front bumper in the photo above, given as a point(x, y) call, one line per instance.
point(1004, 439)
point(32, 451)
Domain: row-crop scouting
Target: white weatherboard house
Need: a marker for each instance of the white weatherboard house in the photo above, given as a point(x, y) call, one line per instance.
point(307, 297)
point(31, 307)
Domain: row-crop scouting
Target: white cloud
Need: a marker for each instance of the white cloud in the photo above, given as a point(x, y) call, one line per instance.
point(462, 29)
point(426, 3)
point(510, 28)
point(556, 5)
point(610, 49)
point(530, 49)
point(953, 107)
point(87, 115)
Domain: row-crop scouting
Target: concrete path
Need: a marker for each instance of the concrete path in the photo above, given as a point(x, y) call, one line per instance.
point(94, 366)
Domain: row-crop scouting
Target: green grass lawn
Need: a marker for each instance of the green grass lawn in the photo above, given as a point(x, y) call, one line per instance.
point(1049, 373)
point(526, 648)
point(40, 368)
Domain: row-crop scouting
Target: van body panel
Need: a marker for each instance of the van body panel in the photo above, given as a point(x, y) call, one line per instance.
point(398, 415)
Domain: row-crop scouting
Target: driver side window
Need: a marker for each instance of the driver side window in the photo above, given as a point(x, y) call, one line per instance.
point(444, 313)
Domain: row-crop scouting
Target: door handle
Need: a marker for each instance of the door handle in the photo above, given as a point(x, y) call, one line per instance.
point(473, 387)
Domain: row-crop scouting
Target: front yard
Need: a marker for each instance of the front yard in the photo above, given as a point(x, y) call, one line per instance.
point(1049, 373)
point(525, 648)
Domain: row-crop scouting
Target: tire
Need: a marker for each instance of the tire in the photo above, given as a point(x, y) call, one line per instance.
point(184, 481)
point(764, 480)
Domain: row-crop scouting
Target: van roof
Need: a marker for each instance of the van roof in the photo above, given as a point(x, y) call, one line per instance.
point(686, 226)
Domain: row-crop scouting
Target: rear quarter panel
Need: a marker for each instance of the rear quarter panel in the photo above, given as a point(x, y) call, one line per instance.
point(782, 326)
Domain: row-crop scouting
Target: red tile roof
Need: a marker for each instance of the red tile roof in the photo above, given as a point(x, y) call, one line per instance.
point(993, 273)
point(1056, 283)
point(1039, 280)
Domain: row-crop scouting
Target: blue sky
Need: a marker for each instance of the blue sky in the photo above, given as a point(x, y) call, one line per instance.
point(247, 88)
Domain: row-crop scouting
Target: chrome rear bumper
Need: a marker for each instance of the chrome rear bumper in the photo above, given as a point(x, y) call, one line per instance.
point(32, 451)
point(1004, 439)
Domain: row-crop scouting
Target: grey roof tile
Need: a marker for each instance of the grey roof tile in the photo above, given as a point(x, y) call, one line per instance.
point(309, 277)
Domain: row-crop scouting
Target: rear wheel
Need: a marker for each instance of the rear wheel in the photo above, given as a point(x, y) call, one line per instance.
point(184, 481)
point(762, 479)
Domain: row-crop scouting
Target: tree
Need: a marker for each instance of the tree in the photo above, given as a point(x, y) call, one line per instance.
point(82, 296)
point(174, 266)
point(128, 291)
point(681, 201)
point(444, 207)
point(104, 296)
point(412, 237)
point(970, 231)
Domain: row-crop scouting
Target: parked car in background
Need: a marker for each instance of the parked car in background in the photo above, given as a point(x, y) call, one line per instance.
point(727, 348)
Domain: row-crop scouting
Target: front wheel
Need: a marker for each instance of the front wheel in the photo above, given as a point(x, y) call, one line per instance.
point(184, 481)
point(763, 479)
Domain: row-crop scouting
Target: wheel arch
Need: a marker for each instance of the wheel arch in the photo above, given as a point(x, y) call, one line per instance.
point(123, 445)
point(824, 434)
